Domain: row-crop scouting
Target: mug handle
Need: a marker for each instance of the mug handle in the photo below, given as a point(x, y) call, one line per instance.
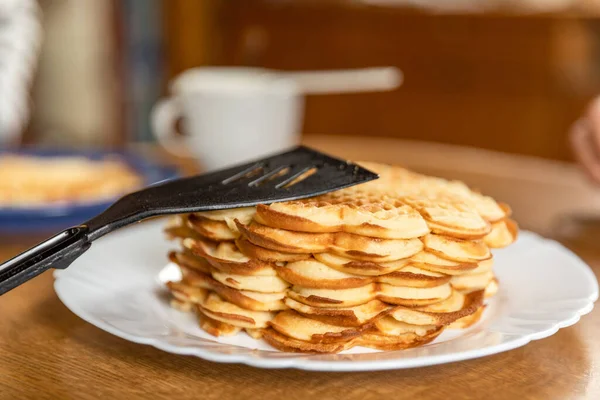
point(163, 117)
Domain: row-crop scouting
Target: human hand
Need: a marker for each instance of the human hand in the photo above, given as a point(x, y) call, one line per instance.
point(585, 140)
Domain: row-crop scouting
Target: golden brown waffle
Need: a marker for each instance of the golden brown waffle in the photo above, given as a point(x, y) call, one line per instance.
point(211, 229)
point(471, 282)
point(184, 300)
point(491, 289)
point(414, 277)
point(400, 205)
point(397, 181)
point(257, 301)
point(334, 298)
point(182, 305)
point(459, 250)
point(253, 251)
point(445, 312)
point(409, 296)
point(260, 284)
point(177, 228)
point(388, 264)
point(448, 217)
point(218, 309)
point(431, 262)
point(349, 210)
point(227, 258)
point(190, 261)
point(214, 327)
point(211, 225)
point(349, 316)
point(389, 326)
point(287, 344)
point(345, 244)
point(376, 340)
point(293, 332)
point(422, 261)
point(314, 274)
point(367, 268)
point(469, 320)
point(296, 326)
point(504, 232)
point(355, 296)
point(244, 215)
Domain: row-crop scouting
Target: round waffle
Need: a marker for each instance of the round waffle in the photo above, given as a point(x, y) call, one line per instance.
point(262, 284)
point(243, 214)
point(218, 309)
point(182, 305)
point(401, 182)
point(211, 229)
point(450, 218)
point(471, 282)
point(314, 274)
point(189, 260)
point(348, 316)
point(491, 289)
point(431, 262)
point(177, 228)
point(503, 233)
point(453, 249)
point(346, 244)
point(445, 312)
point(389, 326)
point(251, 300)
point(414, 277)
point(285, 343)
point(349, 210)
point(469, 320)
point(226, 257)
point(410, 296)
point(215, 327)
point(296, 326)
point(186, 294)
point(367, 268)
point(255, 252)
point(335, 298)
point(376, 340)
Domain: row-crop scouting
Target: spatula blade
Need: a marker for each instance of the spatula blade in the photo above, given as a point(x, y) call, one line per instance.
point(299, 173)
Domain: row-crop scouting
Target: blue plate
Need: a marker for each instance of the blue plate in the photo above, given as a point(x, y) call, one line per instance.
point(55, 218)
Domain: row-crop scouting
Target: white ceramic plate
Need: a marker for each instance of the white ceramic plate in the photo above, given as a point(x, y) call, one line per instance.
point(117, 286)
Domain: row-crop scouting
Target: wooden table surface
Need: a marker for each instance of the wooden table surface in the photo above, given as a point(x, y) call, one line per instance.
point(46, 352)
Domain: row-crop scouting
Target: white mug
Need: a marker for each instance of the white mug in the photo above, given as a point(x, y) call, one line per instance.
point(229, 115)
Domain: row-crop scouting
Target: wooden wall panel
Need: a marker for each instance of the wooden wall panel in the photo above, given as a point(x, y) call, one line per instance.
point(192, 33)
point(481, 80)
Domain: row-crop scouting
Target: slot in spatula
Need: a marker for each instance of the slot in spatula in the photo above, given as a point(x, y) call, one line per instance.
point(292, 175)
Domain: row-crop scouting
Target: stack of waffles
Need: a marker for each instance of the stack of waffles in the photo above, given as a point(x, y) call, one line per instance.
point(388, 264)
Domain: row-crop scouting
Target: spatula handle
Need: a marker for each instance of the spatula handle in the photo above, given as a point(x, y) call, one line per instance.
point(57, 252)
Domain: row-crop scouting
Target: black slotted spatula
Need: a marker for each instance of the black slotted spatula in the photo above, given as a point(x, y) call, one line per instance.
point(292, 175)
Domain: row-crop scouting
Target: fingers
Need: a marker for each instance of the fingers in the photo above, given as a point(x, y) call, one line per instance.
point(593, 118)
point(586, 145)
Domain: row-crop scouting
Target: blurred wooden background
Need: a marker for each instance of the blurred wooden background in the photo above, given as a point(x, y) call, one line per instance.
point(502, 81)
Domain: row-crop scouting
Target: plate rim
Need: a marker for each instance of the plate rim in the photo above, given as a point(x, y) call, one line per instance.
point(349, 365)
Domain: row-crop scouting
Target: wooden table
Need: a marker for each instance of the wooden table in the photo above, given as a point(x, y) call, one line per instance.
point(46, 352)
